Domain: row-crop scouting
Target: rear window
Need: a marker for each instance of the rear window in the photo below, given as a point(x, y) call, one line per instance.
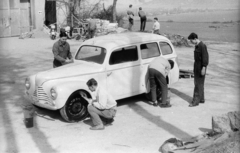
point(165, 48)
point(149, 50)
point(123, 55)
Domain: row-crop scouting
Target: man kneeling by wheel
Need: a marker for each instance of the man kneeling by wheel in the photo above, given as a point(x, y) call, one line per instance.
point(101, 108)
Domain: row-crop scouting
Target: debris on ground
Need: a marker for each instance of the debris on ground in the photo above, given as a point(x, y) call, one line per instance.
point(224, 138)
point(26, 35)
point(186, 73)
point(177, 40)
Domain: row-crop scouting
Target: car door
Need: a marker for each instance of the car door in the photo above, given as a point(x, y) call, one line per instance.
point(168, 52)
point(148, 51)
point(123, 72)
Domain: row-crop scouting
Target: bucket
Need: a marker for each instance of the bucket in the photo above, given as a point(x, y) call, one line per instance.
point(28, 112)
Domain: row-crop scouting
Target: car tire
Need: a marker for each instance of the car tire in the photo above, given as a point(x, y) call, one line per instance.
point(75, 109)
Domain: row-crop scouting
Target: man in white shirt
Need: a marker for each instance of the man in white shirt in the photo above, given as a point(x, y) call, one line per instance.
point(130, 17)
point(156, 26)
point(158, 70)
point(102, 106)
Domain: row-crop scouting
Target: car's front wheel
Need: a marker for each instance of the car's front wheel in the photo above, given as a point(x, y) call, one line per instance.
point(75, 109)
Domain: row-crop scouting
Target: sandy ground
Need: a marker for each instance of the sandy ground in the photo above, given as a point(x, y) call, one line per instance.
point(138, 127)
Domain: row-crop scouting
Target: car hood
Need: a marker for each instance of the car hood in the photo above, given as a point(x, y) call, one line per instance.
point(66, 71)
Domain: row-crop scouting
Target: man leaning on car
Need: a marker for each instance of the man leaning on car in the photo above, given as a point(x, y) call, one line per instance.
point(101, 108)
point(61, 51)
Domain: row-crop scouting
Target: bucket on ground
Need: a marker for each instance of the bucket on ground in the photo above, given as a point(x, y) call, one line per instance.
point(28, 112)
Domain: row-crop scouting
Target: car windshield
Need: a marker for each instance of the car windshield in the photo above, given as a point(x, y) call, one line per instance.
point(91, 54)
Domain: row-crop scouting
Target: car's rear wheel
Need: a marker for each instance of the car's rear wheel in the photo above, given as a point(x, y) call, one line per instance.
point(75, 109)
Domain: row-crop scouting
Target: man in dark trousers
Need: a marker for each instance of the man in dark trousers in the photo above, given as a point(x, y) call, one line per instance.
point(200, 66)
point(143, 19)
point(158, 71)
point(61, 51)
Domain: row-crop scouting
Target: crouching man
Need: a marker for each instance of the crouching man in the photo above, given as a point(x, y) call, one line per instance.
point(158, 71)
point(101, 108)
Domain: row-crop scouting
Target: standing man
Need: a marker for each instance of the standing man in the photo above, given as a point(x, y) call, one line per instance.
point(143, 19)
point(103, 105)
point(130, 17)
point(91, 28)
point(200, 67)
point(158, 71)
point(156, 26)
point(61, 51)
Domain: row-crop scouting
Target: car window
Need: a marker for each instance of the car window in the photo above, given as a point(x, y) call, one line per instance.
point(91, 54)
point(149, 50)
point(165, 48)
point(123, 55)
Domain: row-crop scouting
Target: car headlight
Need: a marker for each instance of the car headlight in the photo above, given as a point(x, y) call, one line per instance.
point(27, 83)
point(53, 93)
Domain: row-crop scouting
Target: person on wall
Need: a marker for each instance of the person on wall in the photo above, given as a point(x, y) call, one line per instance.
point(143, 19)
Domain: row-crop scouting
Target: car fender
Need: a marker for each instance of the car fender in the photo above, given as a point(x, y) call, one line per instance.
point(65, 90)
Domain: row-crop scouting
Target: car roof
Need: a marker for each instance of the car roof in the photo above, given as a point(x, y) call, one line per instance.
point(123, 39)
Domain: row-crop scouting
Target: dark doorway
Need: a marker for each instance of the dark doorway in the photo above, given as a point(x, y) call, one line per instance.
point(50, 13)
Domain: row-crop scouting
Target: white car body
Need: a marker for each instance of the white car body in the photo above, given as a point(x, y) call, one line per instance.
point(121, 80)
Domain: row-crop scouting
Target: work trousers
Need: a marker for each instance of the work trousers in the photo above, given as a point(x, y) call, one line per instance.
point(198, 94)
point(143, 23)
point(130, 25)
point(56, 63)
point(157, 80)
point(95, 114)
point(156, 31)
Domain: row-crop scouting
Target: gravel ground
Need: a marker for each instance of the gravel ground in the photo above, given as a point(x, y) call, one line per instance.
point(138, 127)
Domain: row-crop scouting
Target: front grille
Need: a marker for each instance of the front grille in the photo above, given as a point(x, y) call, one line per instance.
point(42, 96)
point(35, 93)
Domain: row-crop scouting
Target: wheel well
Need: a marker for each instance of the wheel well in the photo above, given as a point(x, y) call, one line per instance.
point(76, 93)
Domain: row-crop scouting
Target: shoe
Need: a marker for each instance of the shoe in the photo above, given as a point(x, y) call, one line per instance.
point(98, 127)
point(193, 105)
point(108, 121)
point(165, 105)
point(155, 104)
point(203, 101)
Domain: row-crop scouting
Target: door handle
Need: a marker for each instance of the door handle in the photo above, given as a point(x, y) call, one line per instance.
point(109, 73)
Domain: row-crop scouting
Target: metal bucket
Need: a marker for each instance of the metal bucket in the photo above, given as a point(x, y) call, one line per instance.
point(28, 112)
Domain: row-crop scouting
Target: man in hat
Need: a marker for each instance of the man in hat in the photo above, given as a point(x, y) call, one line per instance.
point(200, 66)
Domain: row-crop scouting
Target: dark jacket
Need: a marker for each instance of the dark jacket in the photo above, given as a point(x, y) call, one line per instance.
point(201, 58)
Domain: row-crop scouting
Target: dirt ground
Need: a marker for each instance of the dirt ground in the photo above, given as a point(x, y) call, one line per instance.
point(138, 127)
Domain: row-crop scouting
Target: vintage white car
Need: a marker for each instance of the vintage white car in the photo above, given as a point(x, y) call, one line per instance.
point(119, 62)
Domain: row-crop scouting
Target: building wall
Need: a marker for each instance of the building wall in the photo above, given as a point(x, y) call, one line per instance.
point(15, 17)
point(38, 13)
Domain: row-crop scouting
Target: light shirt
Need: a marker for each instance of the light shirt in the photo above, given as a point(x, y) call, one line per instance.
point(130, 13)
point(161, 64)
point(156, 25)
point(103, 99)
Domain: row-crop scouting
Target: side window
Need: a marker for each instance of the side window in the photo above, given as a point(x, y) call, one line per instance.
point(123, 55)
point(149, 50)
point(165, 48)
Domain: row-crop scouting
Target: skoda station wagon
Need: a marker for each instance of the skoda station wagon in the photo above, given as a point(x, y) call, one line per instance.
point(119, 63)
